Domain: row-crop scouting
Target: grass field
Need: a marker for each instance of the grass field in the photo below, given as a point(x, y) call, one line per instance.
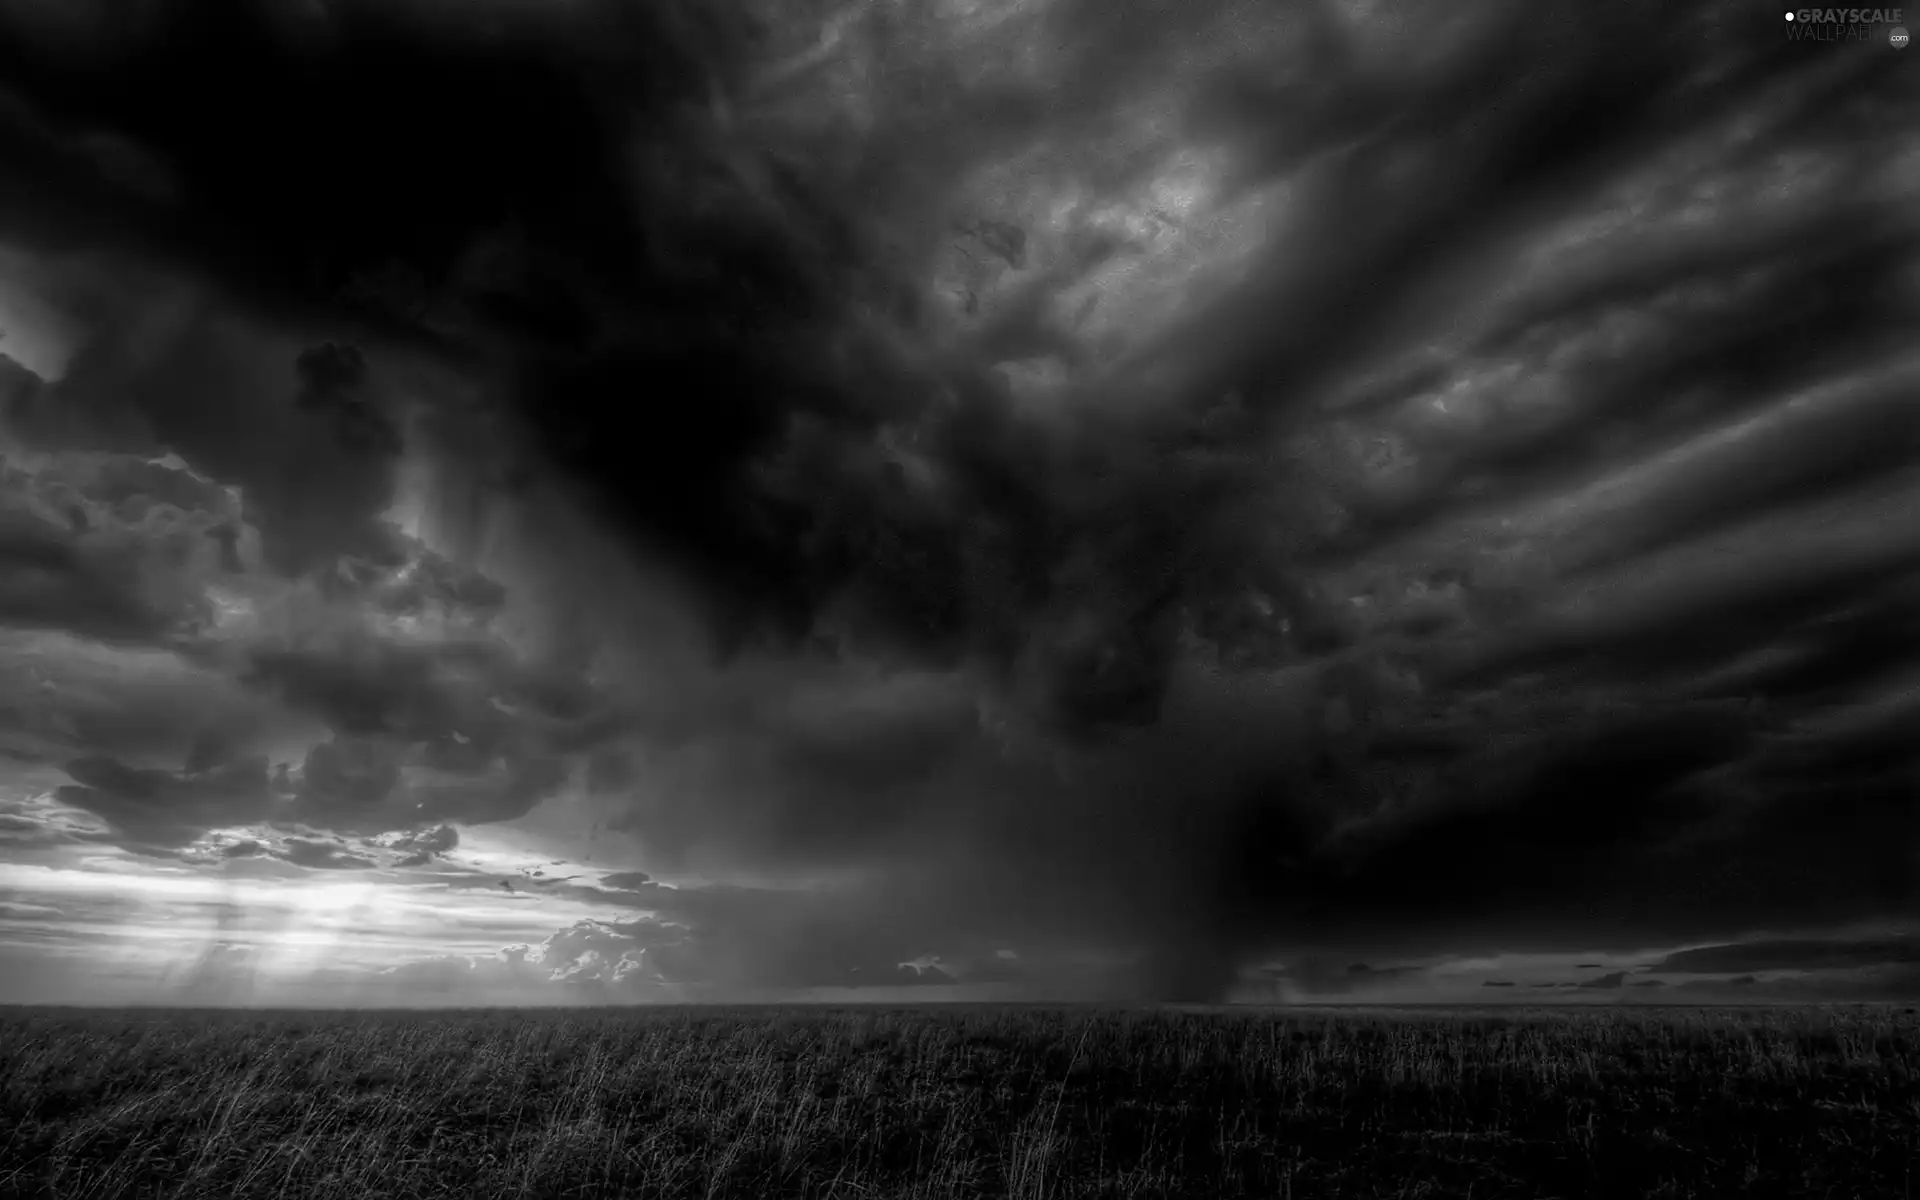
point(948, 1102)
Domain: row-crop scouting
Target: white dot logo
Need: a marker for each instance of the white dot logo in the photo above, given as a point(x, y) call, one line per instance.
point(1898, 39)
point(1789, 16)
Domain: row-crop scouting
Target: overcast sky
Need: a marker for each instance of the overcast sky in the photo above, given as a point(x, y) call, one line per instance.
point(540, 502)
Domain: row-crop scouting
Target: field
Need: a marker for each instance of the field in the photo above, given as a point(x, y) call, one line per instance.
point(950, 1102)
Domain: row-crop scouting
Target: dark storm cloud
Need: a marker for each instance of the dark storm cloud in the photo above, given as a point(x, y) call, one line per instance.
point(348, 782)
point(372, 785)
point(365, 684)
point(1674, 618)
point(482, 725)
point(1537, 494)
point(1056, 532)
point(171, 367)
point(168, 809)
point(104, 546)
point(126, 549)
point(398, 761)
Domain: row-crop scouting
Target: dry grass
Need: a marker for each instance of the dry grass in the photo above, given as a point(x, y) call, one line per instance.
point(949, 1102)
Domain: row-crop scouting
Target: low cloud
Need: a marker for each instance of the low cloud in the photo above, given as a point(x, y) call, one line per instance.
point(169, 809)
point(423, 847)
point(323, 856)
point(1793, 954)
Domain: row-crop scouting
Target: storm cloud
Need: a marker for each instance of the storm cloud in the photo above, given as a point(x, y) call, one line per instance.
point(1155, 486)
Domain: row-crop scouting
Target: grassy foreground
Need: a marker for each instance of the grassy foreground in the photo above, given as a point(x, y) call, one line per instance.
point(949, 1102)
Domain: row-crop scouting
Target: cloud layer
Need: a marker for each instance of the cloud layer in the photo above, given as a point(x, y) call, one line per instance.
point(1142, 488)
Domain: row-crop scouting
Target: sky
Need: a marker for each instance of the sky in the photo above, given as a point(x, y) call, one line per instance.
point(540, 502)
